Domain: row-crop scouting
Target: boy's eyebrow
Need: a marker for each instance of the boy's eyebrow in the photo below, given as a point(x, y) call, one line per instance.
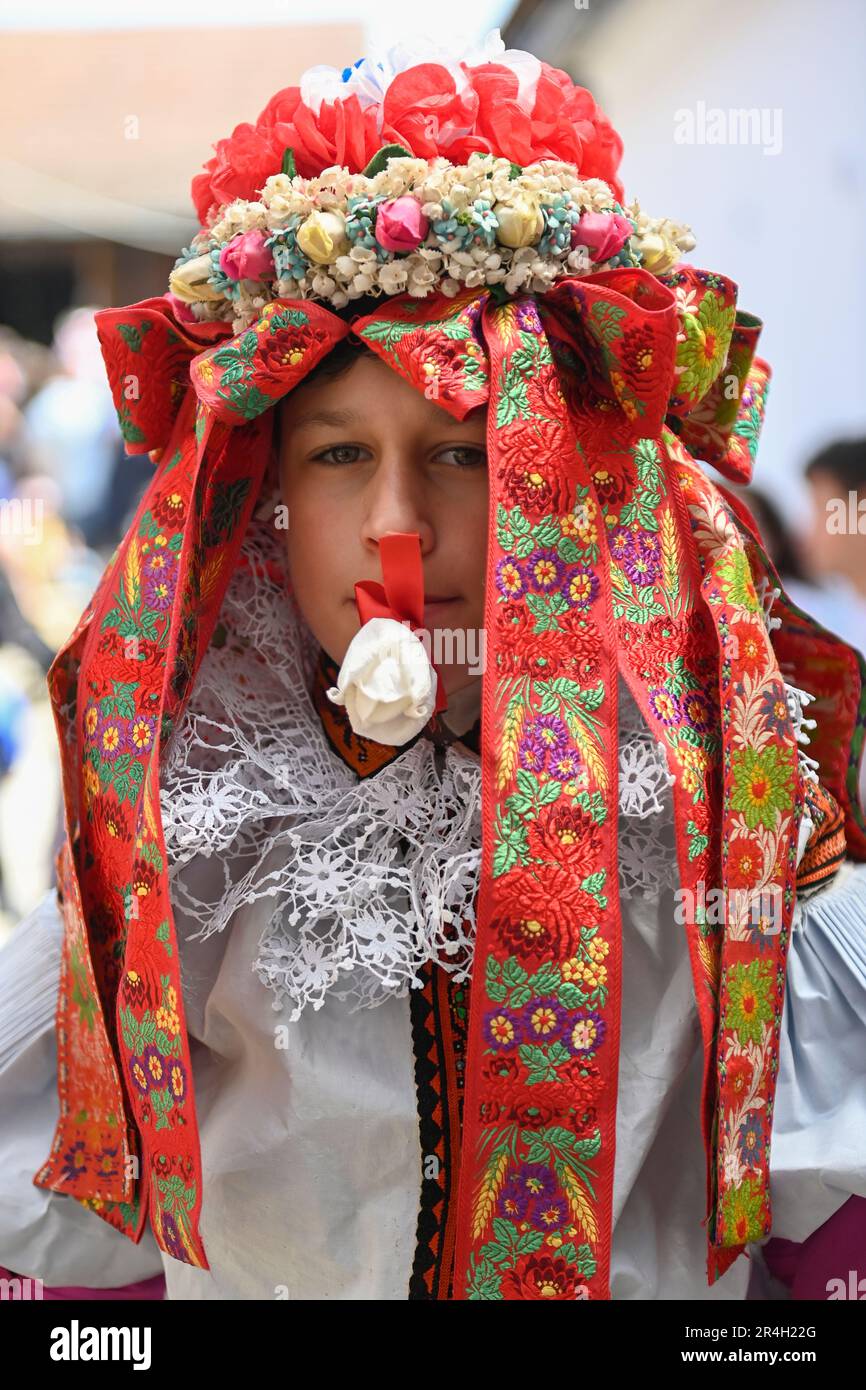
point(338, 419)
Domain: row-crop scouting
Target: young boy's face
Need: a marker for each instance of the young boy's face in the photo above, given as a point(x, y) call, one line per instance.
point(363, 454)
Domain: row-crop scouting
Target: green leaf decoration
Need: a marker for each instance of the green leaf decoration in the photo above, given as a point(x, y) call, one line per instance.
point(387, 332)
point(381, 157)
point(288, 165)
point(134, 336)
point(130, 431)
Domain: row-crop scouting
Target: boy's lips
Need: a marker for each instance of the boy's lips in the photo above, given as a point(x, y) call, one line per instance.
point(430, 600)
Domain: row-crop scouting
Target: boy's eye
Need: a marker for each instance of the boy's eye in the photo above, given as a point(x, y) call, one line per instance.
point(339, 454)
point(462, 455)
point(466, 456)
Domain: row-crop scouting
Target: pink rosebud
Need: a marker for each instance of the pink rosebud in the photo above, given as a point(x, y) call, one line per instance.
point(182, 312)
point(400, 224)
point(246, 257)
point(604, 233)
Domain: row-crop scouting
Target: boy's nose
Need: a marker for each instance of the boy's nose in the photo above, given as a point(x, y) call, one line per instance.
point(396, 503)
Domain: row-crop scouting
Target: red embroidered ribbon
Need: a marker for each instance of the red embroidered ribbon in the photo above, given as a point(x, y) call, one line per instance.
point(607, 549)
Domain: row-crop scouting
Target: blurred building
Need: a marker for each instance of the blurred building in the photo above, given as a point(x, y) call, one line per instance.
point(102, 132)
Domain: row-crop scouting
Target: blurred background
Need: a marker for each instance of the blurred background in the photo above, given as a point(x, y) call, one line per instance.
point(745, 120)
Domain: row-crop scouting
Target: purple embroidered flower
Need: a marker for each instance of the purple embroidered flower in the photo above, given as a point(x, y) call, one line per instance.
point(544, 570)
point(619, 540)
point(154, 1064)
point(159, 589)
point(139, 1074)
point(514, 1201)
point(751, 1141)
point(537, 1180)
point(160, 563)
point(581, 587)
point(509, 578)
point(696, 710)
point(141, 733)
point(171, 1236)
point(73, 1162)
point(502, 1029)
point(107, 1165)
point(527, 316)
point(566, 766)
point(111, 737)
point(640, 558)
point(664, 705)
point(544, 1020)
point(585, 1033)
point(532, 753)
point(531, 1185)
point(764, 920)
point(774, 708)
point(545, 737)
point(91, 720)
point(549, 1212)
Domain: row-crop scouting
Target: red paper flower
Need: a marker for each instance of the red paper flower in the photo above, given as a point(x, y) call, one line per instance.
point(423, 111)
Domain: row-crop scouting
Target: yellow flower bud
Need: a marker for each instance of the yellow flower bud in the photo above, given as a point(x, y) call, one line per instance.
point(657, 252)
point(520, 221)
point(190, 281)
point(322, 237)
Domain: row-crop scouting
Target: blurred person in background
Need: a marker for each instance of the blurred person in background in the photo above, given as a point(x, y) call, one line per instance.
point(72, 436)
point(818, 566)
point(25, 655)
point(45, 572)
point(835, 543)
point(833, 600)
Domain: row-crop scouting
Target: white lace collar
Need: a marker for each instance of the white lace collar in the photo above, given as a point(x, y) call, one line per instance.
point(369, 878)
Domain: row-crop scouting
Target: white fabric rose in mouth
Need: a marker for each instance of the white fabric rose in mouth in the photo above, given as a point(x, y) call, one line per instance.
point(386, 682)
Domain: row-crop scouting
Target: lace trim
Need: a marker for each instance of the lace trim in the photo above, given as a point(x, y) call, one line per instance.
point(369, 879)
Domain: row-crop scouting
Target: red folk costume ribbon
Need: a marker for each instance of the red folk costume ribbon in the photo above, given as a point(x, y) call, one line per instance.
point(608, 550)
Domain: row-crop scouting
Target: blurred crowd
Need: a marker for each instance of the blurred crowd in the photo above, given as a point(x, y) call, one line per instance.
point(68, 492)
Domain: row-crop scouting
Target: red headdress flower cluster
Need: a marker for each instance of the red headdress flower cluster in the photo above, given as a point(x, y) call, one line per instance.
point(423, 110)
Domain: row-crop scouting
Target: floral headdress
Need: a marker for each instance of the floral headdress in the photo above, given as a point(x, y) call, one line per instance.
point(444, 175)
point(609, 551)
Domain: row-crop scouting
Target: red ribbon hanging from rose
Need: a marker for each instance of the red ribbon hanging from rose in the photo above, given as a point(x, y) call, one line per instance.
point(401, 594)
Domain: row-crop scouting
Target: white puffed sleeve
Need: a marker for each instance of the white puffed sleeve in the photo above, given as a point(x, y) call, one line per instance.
point(818, 1145)
point(44, 1234)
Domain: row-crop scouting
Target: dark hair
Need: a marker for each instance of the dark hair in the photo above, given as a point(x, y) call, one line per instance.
point(845, 460)
point(781, 544)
